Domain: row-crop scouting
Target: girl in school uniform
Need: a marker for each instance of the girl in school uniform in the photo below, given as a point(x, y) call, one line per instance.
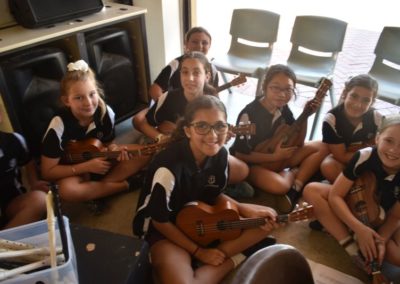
point(350, 125)
point(268, 112)
point(19, 206)
point(85, 115)
point(196, 168)
point(196, 39)
point(362, 242)
point(160, 120)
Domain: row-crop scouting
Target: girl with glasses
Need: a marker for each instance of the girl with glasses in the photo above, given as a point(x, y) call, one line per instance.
point(269, 112)
point(196, 168)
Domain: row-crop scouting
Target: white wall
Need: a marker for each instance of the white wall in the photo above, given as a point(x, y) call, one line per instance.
point(163, 32)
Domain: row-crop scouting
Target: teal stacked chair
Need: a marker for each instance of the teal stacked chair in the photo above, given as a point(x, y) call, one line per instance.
point(316, 43)
point(386, 66)
point(254, 33)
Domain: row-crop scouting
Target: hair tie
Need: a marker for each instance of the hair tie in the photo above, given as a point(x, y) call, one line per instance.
point(79, 65)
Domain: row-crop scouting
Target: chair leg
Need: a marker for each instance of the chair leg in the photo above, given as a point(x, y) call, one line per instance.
point(318, 113)
point(225, 81)
point(259, 74)
point(315, 123)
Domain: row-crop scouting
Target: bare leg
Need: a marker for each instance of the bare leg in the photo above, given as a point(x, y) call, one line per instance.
point(238, 170)
point(77, 188)
point(173, 265)
point(125, 169)
point(269, 181)
point(26, 208)
point(393, 249)
point(316, 194)
point(309, 159)
point(331, 168)
point(248, 238)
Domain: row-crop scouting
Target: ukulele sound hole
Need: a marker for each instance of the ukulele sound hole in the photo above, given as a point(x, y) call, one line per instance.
point(360, 207)
point(221, 225)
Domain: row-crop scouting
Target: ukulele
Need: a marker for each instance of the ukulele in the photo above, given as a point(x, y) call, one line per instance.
point(291, 135)
point(363, 203)
point(84, 150)
point(237, 81)
point(204, 224)
point(357, 146)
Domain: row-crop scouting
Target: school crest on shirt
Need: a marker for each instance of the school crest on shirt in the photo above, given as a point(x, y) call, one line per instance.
point(211, 179)
point(100, 135)
point(370, 135)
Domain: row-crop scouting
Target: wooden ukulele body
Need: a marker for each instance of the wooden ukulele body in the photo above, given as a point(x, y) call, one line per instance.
point(290, 135)
point(363, 202)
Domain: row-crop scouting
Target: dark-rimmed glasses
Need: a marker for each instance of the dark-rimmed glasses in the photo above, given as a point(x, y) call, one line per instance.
point(203, 128)
point(287, 91)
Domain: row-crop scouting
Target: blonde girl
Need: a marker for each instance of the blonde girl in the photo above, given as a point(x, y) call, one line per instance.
point(85, 115)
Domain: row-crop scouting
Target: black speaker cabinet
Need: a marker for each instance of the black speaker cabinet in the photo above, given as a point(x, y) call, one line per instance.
point(110, 55)
point(36, 13)
point(33, 81)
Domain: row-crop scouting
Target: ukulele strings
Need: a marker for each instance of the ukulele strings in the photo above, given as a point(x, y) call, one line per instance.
point(230, 224)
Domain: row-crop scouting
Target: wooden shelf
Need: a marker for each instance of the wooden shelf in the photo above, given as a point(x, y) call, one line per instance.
point(18, 37)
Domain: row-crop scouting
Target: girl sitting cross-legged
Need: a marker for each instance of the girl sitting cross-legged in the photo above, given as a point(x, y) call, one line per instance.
point(196, 168)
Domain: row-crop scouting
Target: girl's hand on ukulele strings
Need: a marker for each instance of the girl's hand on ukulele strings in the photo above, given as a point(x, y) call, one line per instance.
point(283, 153)
point(98, 166)
point(366, 238)
point(210, 256)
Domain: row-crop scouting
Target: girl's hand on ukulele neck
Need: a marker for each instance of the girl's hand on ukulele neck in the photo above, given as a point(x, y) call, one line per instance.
point(123, 156)
point(212, 256)
point(313, 105)
point(229, 135)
